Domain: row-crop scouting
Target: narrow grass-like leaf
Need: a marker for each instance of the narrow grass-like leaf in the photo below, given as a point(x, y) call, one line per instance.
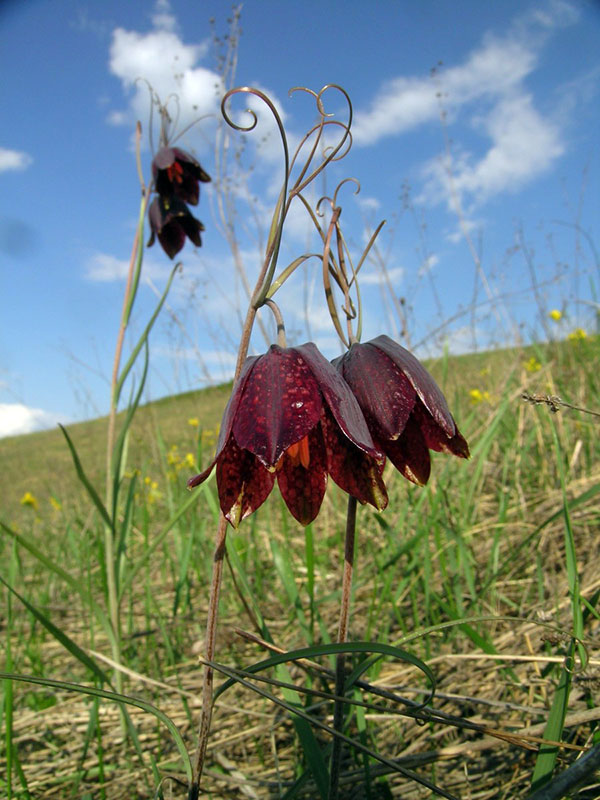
point(376, 649)
point(236, 676)
point(546, 759)
point(117, 698)
point(65, 576)
point(158, 540)
point(571, 557)
point(308, 743)
point(144, 337)
point(61, 636)
point(89, 486)
point(120, 448)
point(124, 529)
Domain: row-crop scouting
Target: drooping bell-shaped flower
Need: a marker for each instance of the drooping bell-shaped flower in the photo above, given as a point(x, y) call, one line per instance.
point(403, 406)
point(170, 219)
point(178, 174)
point(292, 418)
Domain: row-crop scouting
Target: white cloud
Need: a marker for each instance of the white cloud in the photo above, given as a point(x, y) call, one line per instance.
point(523, 146)
point(368, 203)
point(376, 277)
point(14, 159)
point(161, 60)
point(518, 143)
point(16, 418)
point(104, 268)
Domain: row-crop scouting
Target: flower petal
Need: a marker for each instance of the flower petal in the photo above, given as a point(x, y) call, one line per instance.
point(435, 436)
point(354, 471)
point(171, 221)
point(409, 453)
point(243, 483)
point(425, 386)
point(178, 173)
point(303, 488)
point(340, 399)
point(278, 406)
point(384, 393)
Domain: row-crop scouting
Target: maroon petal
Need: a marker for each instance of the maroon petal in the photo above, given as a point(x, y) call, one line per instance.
point(409, 453)
point(279, 405)
point(303, 488)
point(435, 436)
point(233, 403)
point(171, 221)
point(196, 480)
point(242, 481)
point(339, 398)
point(354, 471)
point(427, 389)
point(178, 173)
point(384, 393)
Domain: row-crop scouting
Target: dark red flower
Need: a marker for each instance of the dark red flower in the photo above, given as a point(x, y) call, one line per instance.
point(171, 221)
point(177, 174)
point(404, 408)
point(292, 418)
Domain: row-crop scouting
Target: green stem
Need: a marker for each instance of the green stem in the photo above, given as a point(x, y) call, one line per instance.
point(135, 263)
point(340, 665)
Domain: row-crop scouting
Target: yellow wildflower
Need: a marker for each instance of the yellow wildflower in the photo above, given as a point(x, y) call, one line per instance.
point(189, 460)
point(55, 503)
point(194, 422)
point(577, 335)
point(477, 396)
point(532, 365)
point(29, 500)
point(555, 314)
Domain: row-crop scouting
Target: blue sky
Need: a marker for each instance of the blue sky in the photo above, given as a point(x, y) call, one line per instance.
point(487, 175)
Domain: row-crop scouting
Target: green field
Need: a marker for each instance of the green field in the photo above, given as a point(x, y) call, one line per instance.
point(489, 574)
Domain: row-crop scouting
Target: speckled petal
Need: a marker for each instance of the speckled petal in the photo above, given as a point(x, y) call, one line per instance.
point(435, 437)
point(384, 393)
point(409, 453)
point(279, 405)
point(242, 481)
point(340, 399)
point(426, 388)
point(303, 488)
point(233, 402)
point(353, 470)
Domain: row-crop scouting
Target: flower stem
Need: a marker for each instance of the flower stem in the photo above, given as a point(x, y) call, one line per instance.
point(209, 650)
point(109, 554)
point(340, 666)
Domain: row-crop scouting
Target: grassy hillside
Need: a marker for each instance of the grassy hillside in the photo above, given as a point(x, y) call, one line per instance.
point(489, 574)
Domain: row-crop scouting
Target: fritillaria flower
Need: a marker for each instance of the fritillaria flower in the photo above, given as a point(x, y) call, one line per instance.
point(177, 174)
point(403, 406)
point(292, 418)
point(171, 221)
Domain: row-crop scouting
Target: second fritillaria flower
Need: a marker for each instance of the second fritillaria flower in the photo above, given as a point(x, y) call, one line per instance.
point(171, 221)
point(405, 409)
point(291, 418)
